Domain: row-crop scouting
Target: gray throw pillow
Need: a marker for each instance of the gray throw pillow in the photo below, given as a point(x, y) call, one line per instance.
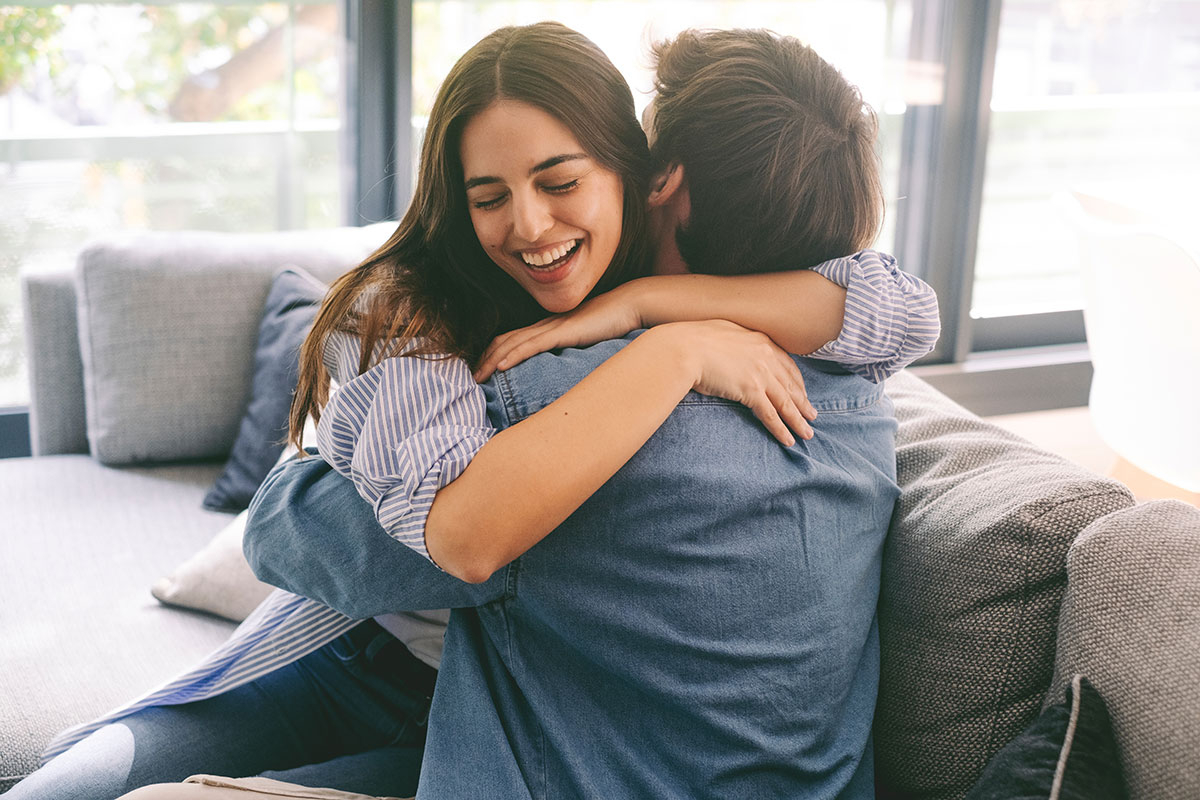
point(973, 578)
point(291, 305)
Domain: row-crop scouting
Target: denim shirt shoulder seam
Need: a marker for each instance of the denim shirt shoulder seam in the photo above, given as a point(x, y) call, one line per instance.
point(507, 397)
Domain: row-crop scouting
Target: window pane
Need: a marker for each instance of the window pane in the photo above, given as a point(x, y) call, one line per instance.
point(159, 117)
point(866, 39)
point(1101, 97)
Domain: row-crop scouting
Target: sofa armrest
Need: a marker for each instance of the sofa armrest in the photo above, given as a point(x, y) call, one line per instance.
point(1130, 622)
point(57, 420)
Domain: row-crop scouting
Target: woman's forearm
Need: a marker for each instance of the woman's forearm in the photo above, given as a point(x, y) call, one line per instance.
point(800, 310)
point(529, 478)
point(526, 480)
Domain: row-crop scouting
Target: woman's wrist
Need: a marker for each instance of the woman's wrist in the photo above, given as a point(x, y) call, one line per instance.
point(674, 343)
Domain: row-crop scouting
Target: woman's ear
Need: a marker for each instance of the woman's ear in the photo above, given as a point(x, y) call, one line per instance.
point(665, 185)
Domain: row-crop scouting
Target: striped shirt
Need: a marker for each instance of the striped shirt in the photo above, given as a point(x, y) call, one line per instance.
point(409, 426)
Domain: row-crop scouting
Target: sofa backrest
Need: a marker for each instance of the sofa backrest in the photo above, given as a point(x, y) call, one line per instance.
point(57, 421)
point(974, 573)
point(143, 352)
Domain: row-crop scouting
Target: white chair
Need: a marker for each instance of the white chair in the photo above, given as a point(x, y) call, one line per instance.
point(1141, 292)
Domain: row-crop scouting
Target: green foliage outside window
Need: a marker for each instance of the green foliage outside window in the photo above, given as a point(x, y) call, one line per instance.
point(27, 37)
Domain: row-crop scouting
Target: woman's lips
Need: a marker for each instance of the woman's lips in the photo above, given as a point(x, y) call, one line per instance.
point(555, 270)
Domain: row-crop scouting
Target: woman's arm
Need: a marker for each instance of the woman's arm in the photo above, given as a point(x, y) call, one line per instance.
point(411, 435)
point(861, 311)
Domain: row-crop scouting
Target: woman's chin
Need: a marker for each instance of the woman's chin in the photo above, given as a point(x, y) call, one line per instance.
point(560, 302)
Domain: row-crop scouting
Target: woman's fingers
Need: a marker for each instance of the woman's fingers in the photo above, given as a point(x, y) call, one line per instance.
point(798, 391)
point(784, 404)
point(497, 352)
point(768, 414)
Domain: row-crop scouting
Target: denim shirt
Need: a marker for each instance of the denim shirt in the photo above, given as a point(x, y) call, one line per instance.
point(703, 626)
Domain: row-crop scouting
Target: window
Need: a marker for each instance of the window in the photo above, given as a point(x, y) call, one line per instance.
point(1103, 97)
point(219, 116)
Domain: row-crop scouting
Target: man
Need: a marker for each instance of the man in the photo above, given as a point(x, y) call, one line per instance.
point(704, 625)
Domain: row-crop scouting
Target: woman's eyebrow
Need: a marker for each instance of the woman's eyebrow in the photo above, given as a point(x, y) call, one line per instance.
point(553, 161)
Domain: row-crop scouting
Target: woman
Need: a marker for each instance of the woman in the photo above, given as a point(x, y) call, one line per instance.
point(349, 715)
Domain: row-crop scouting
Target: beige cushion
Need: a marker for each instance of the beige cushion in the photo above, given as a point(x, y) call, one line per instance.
point(216, 579)
point(213, 787)
point(973, 576)
point(1131, 623)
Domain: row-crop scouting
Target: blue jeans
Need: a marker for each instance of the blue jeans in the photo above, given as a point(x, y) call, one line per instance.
point(350, 715)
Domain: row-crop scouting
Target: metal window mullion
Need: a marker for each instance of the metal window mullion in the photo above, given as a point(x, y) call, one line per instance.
point(377, 108)
point(944, 151)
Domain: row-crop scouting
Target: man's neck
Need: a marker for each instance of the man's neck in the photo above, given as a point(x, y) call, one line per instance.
point(667, 258)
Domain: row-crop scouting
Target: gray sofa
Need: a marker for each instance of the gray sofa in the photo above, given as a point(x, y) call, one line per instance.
point(1007, 570)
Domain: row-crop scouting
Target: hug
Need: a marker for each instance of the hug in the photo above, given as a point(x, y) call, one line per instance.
point(607, 408)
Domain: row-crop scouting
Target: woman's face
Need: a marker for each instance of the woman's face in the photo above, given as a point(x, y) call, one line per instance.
point(543, 209)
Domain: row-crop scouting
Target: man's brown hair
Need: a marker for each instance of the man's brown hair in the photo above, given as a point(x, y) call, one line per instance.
point(778, 152)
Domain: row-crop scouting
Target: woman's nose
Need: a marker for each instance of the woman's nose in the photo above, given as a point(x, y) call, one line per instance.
point(531, 218)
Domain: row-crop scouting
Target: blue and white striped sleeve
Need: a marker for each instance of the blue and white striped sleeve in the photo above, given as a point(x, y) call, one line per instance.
point(891, 317)
point(401, 431)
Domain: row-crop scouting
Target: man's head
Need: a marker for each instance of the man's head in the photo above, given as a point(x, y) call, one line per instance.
point(765, 154)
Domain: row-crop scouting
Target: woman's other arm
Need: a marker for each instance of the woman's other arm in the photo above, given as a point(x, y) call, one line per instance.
point(860, 311)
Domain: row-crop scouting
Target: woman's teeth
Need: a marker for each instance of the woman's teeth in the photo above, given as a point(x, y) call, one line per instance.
point(548, 257)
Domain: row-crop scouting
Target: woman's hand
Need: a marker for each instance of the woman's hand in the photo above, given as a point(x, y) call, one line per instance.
point(606, 316)
point(747, 367)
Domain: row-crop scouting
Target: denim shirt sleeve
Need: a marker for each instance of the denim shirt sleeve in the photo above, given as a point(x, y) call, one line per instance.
point(310, 532)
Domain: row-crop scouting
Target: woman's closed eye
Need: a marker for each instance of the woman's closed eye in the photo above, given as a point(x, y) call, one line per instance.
point(562, 187)
point(488, 202)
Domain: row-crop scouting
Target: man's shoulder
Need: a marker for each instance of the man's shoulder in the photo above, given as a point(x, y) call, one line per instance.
point(532, 385)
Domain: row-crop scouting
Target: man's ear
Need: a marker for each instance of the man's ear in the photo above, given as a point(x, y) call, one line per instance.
point(665, 185)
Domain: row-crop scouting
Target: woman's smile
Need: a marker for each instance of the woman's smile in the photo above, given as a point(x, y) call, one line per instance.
point(544, 211)
point(551, 264)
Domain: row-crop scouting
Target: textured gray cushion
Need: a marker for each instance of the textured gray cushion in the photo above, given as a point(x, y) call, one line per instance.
point(56, 415)
point(167, 324)
point(80, 544)
point(1131, 621)
point(973, 576)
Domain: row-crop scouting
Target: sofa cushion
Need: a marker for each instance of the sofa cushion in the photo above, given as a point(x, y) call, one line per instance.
point(217, 578)
point(167, 324)
point(1131, 620)
point(80, 545)
point(973, 577)
point(291, 306)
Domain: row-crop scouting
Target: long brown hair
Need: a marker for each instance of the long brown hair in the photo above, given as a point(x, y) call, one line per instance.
point(431, 289)
point(777, 148)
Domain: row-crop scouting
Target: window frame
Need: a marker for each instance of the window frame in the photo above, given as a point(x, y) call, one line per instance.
point(995, 365)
